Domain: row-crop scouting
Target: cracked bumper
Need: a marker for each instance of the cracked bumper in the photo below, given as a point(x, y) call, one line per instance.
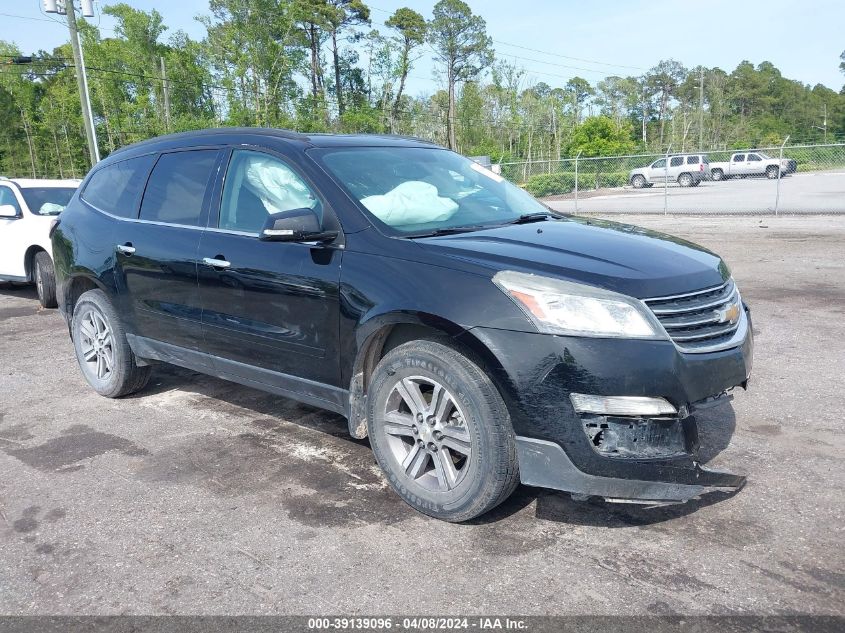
point(653, 459)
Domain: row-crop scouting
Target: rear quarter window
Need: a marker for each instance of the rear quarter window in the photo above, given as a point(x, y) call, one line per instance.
point(116, 188)
point(692, 160)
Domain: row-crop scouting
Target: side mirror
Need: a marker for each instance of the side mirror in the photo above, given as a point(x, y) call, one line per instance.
point(8, 211)
point(296, 225)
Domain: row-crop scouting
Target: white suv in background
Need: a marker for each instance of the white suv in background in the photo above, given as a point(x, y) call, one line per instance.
point(27, 209)
point(688, 170)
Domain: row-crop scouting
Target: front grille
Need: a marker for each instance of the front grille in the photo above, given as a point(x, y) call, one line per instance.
point(697, 321)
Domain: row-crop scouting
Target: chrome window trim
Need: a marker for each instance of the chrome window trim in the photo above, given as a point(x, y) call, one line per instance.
point(140, 221)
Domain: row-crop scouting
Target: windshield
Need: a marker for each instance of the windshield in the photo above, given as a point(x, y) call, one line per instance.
point(411, 190)
point(764, 155)
point(47, 200)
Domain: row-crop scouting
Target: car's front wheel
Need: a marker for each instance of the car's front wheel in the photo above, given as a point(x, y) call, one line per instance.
point(638, 182)
point(772, 172)
point(45, 279)
point(104, 355)
point(441, 432)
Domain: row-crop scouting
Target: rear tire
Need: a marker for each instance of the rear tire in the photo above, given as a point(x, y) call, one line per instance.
point(717, 175)
point(44, 277)
point(441, 432)
point(685, 180)
point(104, 355)
point(772, 172)
point(638, 182)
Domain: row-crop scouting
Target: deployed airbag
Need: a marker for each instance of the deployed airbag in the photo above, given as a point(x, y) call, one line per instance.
point(412, 202)
point(278, 188)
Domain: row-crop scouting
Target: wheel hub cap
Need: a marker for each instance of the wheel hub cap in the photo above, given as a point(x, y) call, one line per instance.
point(95, 342)
point(427, 434)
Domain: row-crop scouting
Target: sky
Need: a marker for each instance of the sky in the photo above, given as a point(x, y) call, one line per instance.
point(554, 40)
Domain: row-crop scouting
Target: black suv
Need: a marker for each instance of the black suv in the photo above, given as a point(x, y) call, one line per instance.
point(476, 337)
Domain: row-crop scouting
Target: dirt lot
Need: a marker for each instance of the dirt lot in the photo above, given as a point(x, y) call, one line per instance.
point(199, 496)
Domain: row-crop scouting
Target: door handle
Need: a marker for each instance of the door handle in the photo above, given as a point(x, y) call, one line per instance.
point(216, 262)
point(126, 249)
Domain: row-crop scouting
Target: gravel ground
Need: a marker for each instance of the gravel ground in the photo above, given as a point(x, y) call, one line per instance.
point(199, 496)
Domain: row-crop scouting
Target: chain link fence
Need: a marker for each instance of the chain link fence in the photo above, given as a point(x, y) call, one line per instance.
point(768, 180)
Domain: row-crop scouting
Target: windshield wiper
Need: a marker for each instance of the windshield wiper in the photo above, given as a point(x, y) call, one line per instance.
point(450, 230)
point(537, 216)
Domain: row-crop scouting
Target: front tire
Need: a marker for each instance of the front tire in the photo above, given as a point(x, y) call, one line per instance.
point(104, 355)
point(638, 182)
point(44, 277)
point(772, 172)
point(441, 432)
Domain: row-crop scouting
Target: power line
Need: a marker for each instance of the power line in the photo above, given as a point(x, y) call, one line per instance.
point(542, 52)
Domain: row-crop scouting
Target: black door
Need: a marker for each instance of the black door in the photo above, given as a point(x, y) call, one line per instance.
point(270, 309)
point(156, 263)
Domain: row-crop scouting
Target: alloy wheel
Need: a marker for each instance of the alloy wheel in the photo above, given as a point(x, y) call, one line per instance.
point(97, 345)
point(427, 434)
point(39, 281)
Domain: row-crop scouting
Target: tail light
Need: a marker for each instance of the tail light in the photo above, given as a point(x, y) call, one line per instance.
point(701, 167)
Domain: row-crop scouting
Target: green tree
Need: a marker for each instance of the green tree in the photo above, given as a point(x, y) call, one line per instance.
point(462, 47)
point(662, 82)
point(340, 15)
point(600, 136)
point(412, 29)
point(578, 90)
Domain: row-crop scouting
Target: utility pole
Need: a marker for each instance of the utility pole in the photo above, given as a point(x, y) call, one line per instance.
point(166, 89)
point(823, 126)
point(645, 116)
point(701, 108)
point(51, 6)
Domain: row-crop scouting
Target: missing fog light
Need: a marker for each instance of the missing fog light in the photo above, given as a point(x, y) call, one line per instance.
point(635, 437)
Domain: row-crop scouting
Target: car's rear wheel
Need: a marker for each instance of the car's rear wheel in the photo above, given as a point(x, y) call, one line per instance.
point(772, 172)
point(717, 174)
point(638, 182)
point(45, 279)
point(685, 180)
point(441, 432)
point(104, 355)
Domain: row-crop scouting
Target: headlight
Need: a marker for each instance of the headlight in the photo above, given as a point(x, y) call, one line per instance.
point(564, 307)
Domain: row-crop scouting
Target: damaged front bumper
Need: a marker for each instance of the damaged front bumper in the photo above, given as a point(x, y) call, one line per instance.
point(545, 464)
point(567, 442)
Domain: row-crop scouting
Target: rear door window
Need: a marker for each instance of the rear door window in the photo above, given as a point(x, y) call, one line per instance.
point(116, 188)
point(178, 186)
point(676, 161)
point(739, 158)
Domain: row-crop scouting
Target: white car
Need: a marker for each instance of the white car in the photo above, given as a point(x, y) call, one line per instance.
point(27, 210)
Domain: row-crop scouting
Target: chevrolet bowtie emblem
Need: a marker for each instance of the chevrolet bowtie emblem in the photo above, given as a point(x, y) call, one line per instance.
point(730, 314)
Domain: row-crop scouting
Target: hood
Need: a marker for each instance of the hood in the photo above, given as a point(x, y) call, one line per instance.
point(619, 257)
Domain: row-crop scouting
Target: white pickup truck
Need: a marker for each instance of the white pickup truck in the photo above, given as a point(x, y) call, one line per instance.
point(751, 164)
